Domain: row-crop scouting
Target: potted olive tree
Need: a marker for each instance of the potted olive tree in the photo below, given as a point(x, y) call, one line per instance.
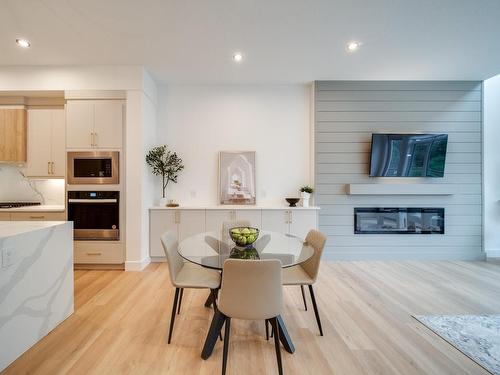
point(305, 194)
point(166, 164)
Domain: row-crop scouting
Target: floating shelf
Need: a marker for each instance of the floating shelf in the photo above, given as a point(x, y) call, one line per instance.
point(397, 189)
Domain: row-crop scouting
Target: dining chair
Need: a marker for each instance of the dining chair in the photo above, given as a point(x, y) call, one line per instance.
point(307, 272)
point(251, 290)
point(186, 275)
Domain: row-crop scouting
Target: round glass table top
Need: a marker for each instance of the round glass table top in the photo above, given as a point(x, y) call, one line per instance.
point(210, 250)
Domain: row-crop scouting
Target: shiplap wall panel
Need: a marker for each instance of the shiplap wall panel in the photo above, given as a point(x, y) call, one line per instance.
point(398, 126)
point(346, 115)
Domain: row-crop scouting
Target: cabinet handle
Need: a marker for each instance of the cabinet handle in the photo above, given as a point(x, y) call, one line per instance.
point(94, 253)
point(91, 139)
point(48, 167)
point(52, 167)
point(290, 217)
point(37, 217)
point(95, 139)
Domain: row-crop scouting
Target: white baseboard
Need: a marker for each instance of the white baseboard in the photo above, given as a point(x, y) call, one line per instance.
point(493, 253)
point(137, 265)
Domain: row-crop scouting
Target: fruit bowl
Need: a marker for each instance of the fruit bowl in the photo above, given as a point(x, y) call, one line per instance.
point(244, 236)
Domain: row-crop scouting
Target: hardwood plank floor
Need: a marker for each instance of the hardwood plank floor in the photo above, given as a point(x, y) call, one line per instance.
point(121, 321)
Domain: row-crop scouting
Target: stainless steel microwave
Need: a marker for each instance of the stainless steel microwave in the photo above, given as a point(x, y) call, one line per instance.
point(93, 168)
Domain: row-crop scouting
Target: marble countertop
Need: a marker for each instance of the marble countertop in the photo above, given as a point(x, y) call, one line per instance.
point(13, 228)
point(40, 208)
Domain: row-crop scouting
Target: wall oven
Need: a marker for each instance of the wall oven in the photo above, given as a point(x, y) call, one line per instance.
point(93, 167)
point(95, 214)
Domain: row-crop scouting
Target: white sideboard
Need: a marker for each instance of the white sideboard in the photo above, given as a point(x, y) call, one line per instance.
point(186, 221)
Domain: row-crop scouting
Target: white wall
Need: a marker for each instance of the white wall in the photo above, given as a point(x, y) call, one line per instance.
point(198, 121)
point(491, 173)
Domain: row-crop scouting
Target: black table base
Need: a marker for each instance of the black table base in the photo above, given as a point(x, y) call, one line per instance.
point(216, 327)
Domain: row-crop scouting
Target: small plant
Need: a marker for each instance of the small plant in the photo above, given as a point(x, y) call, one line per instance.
point(306, 189)
point(164, 163)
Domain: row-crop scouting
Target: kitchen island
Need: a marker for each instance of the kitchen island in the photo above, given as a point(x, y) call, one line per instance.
point(36, 283)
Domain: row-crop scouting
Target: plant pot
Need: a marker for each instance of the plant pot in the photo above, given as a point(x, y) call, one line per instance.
point(163, 202)
point(305, 198)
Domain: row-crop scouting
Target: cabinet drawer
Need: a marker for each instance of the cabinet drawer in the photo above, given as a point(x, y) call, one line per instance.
point(4, 216)
point(86, 252)
point(38, 216)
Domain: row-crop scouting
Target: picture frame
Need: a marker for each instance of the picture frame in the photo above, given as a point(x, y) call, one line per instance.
point(237, 178)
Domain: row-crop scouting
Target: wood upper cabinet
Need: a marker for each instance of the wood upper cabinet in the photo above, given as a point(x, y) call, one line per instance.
point(13, 135)
point(46, 143)
point(94, 123)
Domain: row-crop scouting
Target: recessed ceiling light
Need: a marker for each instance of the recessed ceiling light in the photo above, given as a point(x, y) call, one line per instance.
point(23, 43)
point(353, 46)
point(237, 57)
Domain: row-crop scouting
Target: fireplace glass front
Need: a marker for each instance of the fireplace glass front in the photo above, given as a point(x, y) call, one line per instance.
point(409, 220)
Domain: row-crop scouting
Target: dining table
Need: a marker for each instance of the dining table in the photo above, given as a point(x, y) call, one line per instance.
point(210, 249)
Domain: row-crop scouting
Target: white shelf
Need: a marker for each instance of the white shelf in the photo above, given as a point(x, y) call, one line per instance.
point(397, 189)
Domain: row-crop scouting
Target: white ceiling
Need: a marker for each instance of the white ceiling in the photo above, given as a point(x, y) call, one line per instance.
point(284, 41)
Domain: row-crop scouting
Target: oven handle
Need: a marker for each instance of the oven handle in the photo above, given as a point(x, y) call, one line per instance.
point(71, 200)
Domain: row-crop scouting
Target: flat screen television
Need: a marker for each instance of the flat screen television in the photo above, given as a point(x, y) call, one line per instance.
point(408, 155)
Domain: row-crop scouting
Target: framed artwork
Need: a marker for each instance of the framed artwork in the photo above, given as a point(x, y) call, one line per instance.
point(237, 177)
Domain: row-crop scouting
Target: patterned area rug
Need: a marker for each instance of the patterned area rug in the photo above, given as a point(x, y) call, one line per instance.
point(477, 336)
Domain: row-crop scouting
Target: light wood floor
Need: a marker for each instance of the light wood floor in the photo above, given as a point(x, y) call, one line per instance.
point(121, 320)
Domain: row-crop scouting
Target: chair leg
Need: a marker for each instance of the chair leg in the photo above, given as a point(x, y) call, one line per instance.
point(267, 330)
point(303, 296)
point(316, 312)
point(227, 331)
point(172, 318)
point(180, 301)
point(213, 293)
point(274, 324)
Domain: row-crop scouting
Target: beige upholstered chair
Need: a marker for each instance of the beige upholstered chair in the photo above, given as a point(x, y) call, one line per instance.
point(306, 273)
point(251, 290)
point(186, 275)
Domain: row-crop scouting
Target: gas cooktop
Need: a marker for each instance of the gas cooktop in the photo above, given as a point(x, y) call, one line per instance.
point(18, 204)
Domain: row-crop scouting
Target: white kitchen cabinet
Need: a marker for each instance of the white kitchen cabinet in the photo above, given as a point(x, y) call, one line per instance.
point(46, 143)
point(215, 218)
point(58, 144)
point(253, 216)
point(94, 123)
point(301, 222)
point(108, 123)
point(79, 124)
point(160, 221)
point(190, 222)
point(275, 220)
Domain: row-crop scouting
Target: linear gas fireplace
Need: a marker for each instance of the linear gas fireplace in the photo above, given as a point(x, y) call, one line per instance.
point(410, 220)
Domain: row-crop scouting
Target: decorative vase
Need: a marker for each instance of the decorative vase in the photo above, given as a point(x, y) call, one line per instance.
point(163, 202)
point(305, 198)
